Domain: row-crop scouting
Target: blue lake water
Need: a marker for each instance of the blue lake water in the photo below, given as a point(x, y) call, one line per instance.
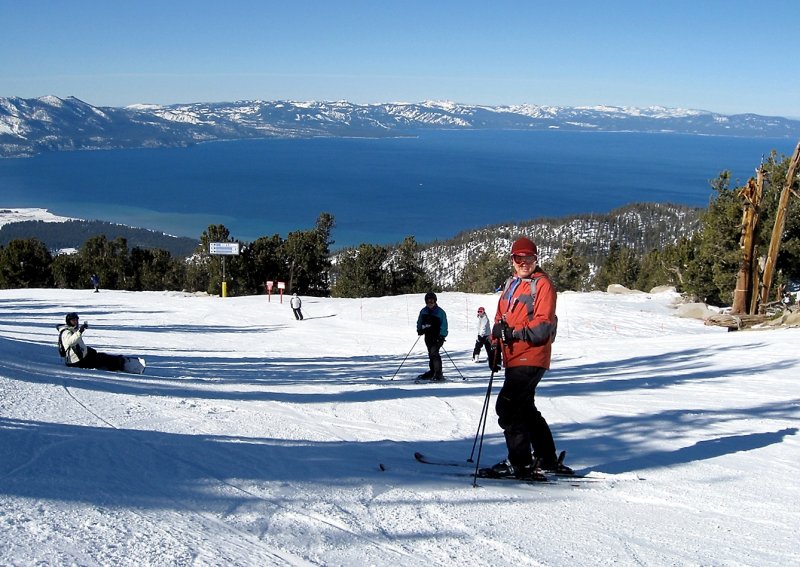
point(431, 186)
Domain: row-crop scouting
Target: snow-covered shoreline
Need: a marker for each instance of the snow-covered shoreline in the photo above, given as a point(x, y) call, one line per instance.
point(9, 215)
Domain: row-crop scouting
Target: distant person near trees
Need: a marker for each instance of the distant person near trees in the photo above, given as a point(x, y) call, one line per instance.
point(296, 304)
point(95, 281)
point(432, 322)
point(75, 351)
point(525, 327)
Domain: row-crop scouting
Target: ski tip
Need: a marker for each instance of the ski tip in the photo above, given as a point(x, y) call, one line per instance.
point(419, 456)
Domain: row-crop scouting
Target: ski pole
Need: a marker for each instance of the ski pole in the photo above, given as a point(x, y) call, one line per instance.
point(485, 410)
point(482, 429)
point(482, 422)
point(484, 413)
point(454, 364)
point(404, 358)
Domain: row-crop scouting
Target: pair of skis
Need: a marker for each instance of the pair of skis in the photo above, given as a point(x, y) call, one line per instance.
point(549, 478)
point(417, 380)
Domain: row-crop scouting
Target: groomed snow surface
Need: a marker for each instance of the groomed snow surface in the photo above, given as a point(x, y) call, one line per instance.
point(256, 439)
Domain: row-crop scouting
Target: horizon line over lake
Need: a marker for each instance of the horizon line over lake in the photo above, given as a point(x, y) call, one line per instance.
point(431, 186)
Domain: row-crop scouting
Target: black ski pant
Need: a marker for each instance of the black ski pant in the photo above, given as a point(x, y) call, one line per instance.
point(101, 361)
point(433, 344)
point(523, 424)
point(483, 342)
point(297, 313)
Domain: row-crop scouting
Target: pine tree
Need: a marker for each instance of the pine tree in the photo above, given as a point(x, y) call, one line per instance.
point(407, 273)
point(204, 270)
point(484, 274)
point(568, 270)
point(66, 271)
point(360, 272)
point(308, 258)
point(156, 270)
point(108, 259)
point(266, 261)
point(25, 263)
point(667, 266)
point(620, 267)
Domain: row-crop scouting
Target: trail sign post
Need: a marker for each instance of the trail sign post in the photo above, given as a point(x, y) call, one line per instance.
point(224, 249)
point(281, 286)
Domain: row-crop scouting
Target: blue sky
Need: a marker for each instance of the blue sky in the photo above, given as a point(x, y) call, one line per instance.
point(727, 56)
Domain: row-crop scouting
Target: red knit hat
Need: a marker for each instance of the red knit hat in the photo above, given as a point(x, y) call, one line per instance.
point(524, 247)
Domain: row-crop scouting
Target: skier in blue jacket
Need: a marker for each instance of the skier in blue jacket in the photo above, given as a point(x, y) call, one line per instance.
point(432, 322)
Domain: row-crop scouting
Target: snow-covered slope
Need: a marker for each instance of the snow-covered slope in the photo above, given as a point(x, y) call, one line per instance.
point(255, 439)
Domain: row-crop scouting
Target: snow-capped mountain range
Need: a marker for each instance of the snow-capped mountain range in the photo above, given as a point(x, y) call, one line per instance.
point(49, 123)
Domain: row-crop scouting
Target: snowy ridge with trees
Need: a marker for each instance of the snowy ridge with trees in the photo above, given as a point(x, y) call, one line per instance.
point(641, 227)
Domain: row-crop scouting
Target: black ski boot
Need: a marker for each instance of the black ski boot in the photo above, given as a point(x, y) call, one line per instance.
point(556, 467)
point(505, 469)
point(530, 473)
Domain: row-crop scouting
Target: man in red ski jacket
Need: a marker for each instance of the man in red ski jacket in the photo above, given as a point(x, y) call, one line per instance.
point(525, 327)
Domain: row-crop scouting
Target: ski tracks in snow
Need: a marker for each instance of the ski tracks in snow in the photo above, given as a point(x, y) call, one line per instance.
point(248, 545)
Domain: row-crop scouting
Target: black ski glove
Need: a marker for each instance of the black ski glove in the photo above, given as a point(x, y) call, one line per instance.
point(503, 332)
point(440, 340)
point(83, 327)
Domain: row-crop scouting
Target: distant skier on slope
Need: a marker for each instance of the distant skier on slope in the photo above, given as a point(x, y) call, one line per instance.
point(484, 340)
point(432, 322)
point(296, 304)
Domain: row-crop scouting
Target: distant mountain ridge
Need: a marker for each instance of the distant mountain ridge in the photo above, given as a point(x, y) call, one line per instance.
point(49, 123)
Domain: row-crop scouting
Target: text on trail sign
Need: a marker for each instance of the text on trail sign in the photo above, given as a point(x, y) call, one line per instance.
point(224, 248)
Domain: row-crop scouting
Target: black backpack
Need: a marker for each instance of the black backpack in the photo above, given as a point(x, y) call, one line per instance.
point(61, 351)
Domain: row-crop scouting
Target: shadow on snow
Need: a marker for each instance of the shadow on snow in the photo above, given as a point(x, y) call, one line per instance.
point(115, 466)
